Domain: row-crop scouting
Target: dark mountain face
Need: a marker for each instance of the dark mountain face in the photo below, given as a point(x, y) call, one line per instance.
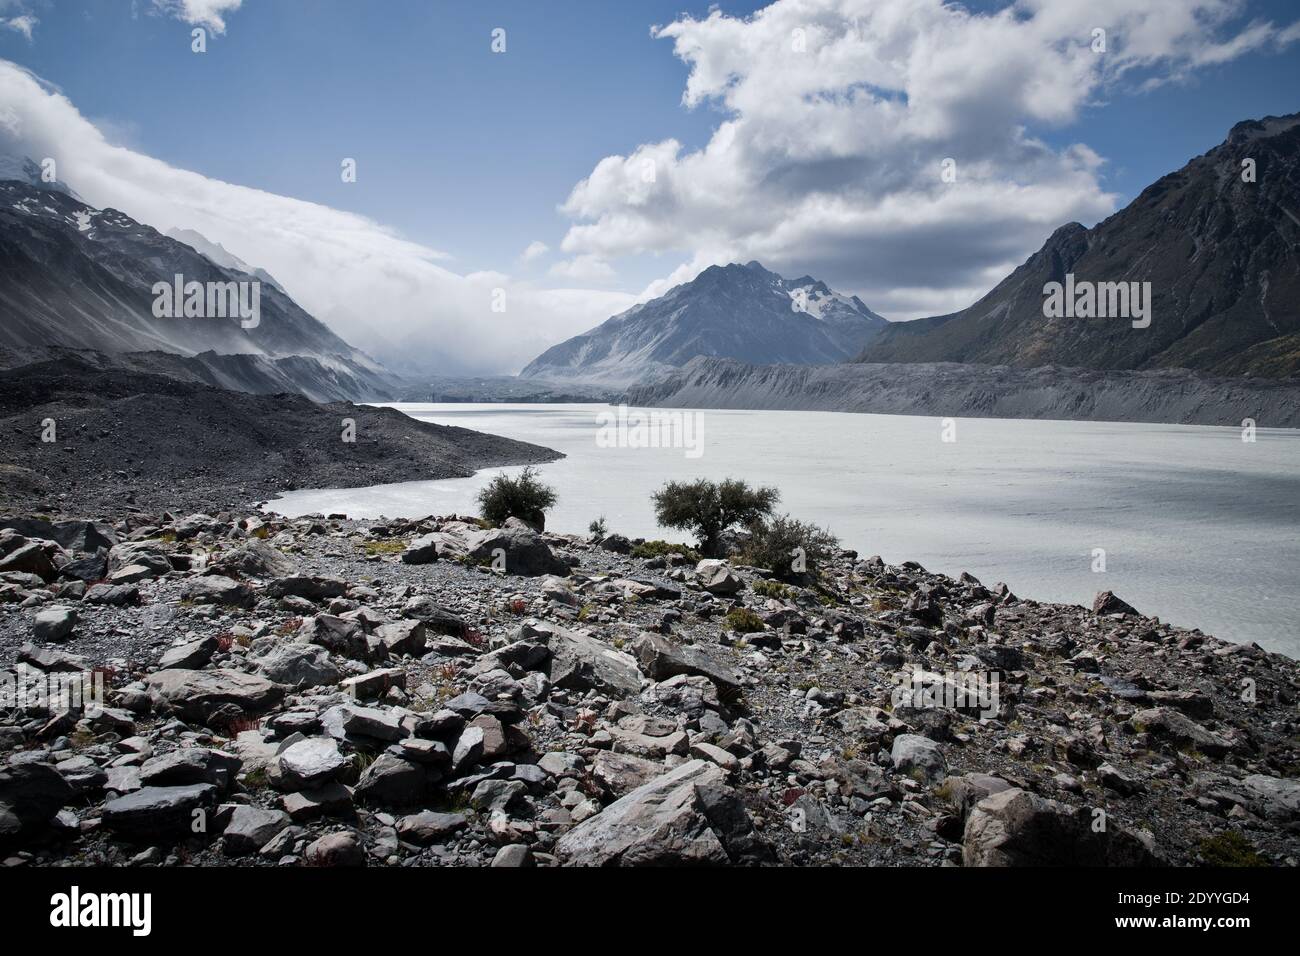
point(83, 278)
point(742, 312)
point(1222, 256)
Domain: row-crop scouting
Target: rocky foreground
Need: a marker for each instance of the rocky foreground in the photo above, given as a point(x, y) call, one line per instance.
point(327, 692)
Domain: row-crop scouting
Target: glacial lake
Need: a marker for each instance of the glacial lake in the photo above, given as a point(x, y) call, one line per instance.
point(1198, 526)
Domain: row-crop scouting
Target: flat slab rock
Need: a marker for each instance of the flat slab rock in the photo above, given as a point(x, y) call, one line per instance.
point(659, 823)
point(198, 695)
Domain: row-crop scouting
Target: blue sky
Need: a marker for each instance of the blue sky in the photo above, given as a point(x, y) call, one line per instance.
point(459, 148)
point(472, 153)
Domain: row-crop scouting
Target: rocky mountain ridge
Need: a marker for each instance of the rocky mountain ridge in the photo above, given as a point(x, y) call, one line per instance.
point(1219, 243)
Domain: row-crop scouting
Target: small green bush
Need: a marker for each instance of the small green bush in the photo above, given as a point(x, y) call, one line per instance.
point(1230, 848)
point(598, 528)
point(788, 548)
point(773, 589)
point(525, 498)
point(743, 621)
point(661, 549)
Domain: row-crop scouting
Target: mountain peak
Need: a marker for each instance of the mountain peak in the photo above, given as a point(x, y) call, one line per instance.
point(736, 311)
point(1212, 249)
point(26, 170)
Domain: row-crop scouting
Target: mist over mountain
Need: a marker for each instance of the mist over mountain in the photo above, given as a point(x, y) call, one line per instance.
point(1219, 243)
point(77, 277)
point(742, 312)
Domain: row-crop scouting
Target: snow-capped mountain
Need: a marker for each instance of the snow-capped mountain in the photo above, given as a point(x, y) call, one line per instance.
point(82, 278)
point(735, 311)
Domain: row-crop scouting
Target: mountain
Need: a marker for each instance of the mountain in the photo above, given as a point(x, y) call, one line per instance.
point(82, 278)
point(219, 254)
point(24, 169)
point(1222, 256)
point(733, 311)
point(945, 389)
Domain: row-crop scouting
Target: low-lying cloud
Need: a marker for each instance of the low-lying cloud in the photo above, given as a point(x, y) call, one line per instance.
point(383, 293)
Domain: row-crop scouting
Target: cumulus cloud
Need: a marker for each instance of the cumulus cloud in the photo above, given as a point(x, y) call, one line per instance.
point(203, 13)
point(535, 250)
point(839, 115)
point(382, 292)
point(23, 23)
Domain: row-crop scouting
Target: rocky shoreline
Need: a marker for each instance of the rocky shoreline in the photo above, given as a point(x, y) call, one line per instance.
point(83, 439)
point(321, 691)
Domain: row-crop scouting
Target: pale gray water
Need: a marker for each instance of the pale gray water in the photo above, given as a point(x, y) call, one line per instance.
point(1199, 527)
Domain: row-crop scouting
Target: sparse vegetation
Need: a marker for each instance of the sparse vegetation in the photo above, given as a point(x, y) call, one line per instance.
point(743, 621)
point(661, 549)
point(598, 528)
point(772, 589)
point(384, 546)
point(1230, 848)
point(710, 509)
point(788, 548)
point(525, 498)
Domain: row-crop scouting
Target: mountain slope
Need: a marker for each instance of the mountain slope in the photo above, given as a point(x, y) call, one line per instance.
point(734, 311)
point(946, 389)
point(82, 278)
point(1222, 256)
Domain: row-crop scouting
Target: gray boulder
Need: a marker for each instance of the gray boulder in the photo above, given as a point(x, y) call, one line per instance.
point(218, 590)
point(1018, 828)
point(159, 814)
point(250, 829)
point(580, 662)
point(31, 794)
point(191, 655)
point(661, 659)
point(920, 758)
point(201, 695)
point(54, 625)
point(310, 763)
point(429, 827)
point(662, 823)
point(524, 552)
point(189, 765)
point(298, 665)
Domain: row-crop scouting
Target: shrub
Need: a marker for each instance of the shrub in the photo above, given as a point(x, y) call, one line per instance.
point(709, 509)
point(658, 549)
point(525, 498)
point(384, 546)
point(772, 589)
point(788, 548)
point(743, 621)
point(1230, 848)
point(598, 528)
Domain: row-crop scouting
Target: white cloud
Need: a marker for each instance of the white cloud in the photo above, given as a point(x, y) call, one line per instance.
point(380, 291)
point(23, 23)
point(203, 13)
point(838, 114)
point(585, 268)
point(536, 249)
